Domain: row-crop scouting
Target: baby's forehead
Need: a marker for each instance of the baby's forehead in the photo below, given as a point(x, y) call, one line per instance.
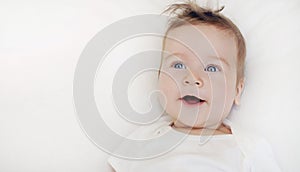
point(200, 34)
point(185, 48)
point(202, 41)
point(196, 30)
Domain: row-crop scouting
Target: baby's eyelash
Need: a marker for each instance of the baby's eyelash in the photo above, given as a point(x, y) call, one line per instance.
point(178, 65)
point(212, 68)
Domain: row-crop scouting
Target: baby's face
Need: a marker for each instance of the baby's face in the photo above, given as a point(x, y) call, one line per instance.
point(198, 79)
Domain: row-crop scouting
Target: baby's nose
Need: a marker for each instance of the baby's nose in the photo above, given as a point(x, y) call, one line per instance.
point(193, 81)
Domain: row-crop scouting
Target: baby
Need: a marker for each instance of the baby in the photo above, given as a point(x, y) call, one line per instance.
point(201, 78)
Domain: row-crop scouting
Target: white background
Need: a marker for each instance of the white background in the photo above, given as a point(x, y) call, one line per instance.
point(41, 41)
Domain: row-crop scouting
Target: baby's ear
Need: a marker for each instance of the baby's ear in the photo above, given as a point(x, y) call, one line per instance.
point(239, 90)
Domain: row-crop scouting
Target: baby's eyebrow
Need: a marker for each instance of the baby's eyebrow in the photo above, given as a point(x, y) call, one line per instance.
point(221, 58)
point(174, 54)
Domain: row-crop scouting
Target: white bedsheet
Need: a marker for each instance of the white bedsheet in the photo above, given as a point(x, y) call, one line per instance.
point(41, 41)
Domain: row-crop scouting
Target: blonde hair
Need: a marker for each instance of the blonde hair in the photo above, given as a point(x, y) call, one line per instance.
point(192, 13)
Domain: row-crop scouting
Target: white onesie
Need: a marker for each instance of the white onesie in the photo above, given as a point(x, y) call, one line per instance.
point(221, 153)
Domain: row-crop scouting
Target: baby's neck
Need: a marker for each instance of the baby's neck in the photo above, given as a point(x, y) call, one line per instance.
point(221, 130)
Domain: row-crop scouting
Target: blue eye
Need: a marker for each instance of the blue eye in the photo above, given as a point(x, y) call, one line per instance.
point(211, 68)
point(179, 65)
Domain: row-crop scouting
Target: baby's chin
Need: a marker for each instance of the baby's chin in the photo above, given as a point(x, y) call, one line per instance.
point(197, 124)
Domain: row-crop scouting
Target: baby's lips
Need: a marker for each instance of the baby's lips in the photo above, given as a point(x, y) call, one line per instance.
point(192, 98)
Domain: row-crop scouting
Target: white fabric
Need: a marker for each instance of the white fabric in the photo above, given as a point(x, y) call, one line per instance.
point(231, 152)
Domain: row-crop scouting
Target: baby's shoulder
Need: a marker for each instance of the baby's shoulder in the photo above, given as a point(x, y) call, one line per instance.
point(256, 149)
point(260, 154)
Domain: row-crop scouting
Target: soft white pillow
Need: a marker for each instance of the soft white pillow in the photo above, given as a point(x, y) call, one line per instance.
point(269, 104)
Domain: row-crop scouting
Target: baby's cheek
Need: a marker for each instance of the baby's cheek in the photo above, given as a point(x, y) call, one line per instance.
point(163, 84)
point(168, 77)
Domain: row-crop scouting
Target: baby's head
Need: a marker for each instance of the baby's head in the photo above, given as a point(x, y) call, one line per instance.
point(202, 68)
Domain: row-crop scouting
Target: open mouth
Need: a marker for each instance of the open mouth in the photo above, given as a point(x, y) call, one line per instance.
point(192, 100)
